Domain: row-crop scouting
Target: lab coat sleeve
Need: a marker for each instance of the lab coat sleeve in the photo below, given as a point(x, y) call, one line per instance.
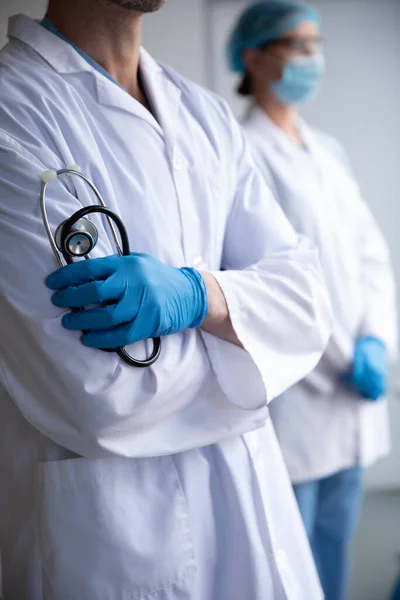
point(83, 399)
point(274, 288)
point(380, 310)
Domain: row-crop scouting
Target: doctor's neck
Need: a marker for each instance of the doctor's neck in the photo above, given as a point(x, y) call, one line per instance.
point(284, 116)
point(107, 32)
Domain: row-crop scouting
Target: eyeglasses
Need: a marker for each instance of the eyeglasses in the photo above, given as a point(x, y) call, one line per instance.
point(302, 45)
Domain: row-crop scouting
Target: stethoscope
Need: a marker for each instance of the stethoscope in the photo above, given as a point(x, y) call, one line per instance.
point(77, 236)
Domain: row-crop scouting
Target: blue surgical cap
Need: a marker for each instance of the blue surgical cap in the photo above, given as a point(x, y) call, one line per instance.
point(263, 22)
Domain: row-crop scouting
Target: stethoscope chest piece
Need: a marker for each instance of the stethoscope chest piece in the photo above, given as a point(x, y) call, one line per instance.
point(79, 240)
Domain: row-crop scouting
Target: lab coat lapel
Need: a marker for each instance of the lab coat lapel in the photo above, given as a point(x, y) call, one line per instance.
point(261, 123)
point(110, 94)
point(67, 61)
point(164, 97)
point(309, 140)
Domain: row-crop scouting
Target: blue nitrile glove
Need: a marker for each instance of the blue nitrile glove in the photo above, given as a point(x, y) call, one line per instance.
point(369, 373)
point(149, 298)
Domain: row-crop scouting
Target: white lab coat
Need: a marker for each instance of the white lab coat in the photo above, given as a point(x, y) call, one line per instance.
point(139, 483)
point(322, 425)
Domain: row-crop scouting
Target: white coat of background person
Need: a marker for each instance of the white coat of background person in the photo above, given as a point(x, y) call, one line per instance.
point(334, 422)
point(144, 483)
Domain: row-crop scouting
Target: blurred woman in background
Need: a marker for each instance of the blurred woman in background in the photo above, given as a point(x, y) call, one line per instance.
point(333, 423)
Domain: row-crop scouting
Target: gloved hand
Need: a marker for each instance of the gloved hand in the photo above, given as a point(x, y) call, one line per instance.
point(369, 373)
point(147, 298)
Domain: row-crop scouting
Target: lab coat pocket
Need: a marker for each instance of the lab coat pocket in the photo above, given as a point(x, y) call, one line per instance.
point(114, 529)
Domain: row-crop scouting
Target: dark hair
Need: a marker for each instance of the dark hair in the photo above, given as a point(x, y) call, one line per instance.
point(245, 87)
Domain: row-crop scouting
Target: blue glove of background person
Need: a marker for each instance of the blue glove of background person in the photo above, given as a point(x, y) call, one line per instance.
point(369, 373)
point(147, 298)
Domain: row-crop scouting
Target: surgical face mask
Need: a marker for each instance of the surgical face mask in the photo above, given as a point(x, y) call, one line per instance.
point(301, 79)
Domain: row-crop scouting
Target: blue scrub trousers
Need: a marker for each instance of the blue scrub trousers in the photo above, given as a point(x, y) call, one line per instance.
point(330, 508)
point(396, 593)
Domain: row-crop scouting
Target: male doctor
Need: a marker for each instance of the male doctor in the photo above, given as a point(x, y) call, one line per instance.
point(127, 483)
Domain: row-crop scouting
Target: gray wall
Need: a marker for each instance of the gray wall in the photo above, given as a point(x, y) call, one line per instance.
point(32, 8)
point(177, 34)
